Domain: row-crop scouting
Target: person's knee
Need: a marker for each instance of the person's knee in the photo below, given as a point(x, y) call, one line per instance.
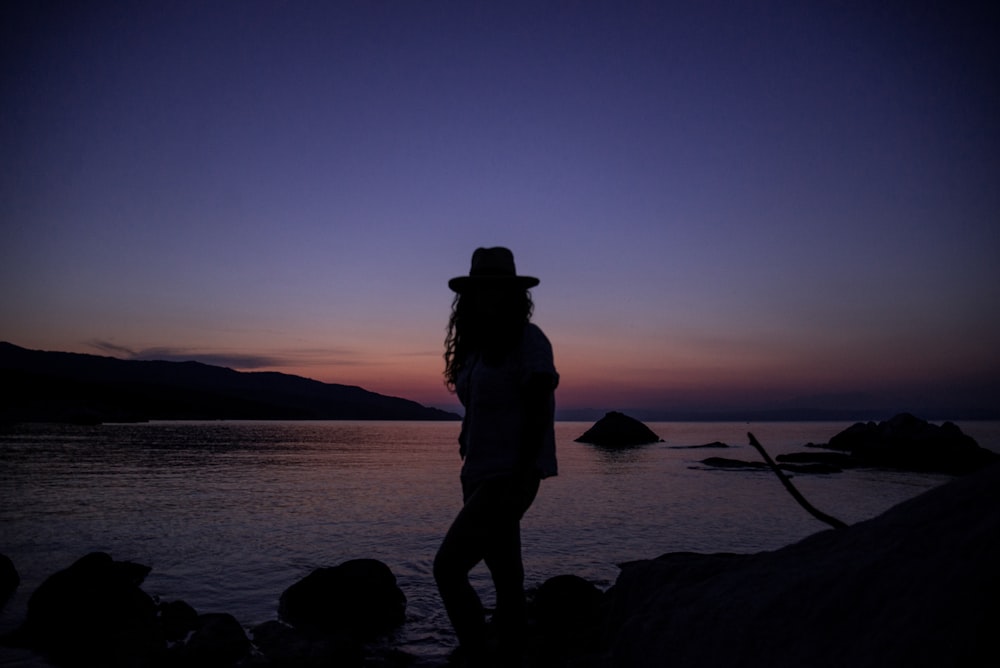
point(445, 569)
point(508, 578)
point(440, 567)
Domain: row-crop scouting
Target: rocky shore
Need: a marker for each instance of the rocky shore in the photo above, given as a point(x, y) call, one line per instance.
point(915, 586)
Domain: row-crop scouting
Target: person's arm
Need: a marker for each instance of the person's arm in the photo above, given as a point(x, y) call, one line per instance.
point(463, 440)
point(537, 397)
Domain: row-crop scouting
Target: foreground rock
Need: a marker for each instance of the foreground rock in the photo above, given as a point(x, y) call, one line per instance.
point(94, 613)
point(217, 639)
point(618, 430)
point(327, 617)
point(567, 615)
point(916, 586)
point(9, 579)
point(358, 596)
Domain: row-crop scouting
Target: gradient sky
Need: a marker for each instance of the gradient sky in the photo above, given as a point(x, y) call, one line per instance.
point(728, 204)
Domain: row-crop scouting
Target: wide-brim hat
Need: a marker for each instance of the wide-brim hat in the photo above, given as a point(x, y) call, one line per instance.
point(492, 267)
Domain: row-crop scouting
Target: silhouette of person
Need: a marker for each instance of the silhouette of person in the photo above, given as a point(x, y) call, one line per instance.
point(500, 365)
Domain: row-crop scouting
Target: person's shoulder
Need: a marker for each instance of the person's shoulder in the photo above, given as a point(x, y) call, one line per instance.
point(533, 331)
point(534, 336)
point(536, 354)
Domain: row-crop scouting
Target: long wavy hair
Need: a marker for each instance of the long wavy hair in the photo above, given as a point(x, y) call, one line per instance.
point(466, 334)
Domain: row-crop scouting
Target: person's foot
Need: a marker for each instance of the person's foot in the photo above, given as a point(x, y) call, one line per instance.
point(483, 658)
point(465, 657)
point(507, 642)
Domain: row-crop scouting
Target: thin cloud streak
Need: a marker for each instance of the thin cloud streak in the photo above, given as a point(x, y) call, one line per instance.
point(234, 359)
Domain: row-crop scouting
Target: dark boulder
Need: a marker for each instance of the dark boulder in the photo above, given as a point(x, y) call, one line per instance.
point(280, 643)
point(283, 645)
point(618, 430)
point(359, 596)
point(727, 463)
point(907, 442)
point(94, 613)
point(178, 620)
point(9, 579)
point(567, 609)
point(218, 640)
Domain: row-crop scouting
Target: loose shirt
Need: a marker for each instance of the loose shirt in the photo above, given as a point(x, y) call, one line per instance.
point(493, 396)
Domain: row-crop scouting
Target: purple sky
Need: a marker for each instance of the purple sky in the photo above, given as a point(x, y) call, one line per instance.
point(728, 204)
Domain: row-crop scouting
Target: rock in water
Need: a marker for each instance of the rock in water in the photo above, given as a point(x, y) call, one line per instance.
point(618, 430)
point(358, 596)
point(907, 442)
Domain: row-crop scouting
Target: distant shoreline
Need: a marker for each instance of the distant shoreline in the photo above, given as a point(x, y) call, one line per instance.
point(90, 389)
point(806, 415)
point(558, 420)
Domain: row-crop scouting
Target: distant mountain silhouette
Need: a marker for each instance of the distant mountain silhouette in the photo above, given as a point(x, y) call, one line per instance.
point(71, 387)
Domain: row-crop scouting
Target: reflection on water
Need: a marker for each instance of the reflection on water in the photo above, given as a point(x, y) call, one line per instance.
point(229, 514)
point(615, 461)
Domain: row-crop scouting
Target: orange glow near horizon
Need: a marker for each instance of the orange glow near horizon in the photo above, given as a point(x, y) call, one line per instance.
point(682, 377)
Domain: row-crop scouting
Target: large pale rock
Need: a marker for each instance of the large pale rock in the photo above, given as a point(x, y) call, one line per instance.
point(918, 586)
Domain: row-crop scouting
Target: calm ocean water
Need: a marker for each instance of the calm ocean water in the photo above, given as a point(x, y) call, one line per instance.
point(229, 514)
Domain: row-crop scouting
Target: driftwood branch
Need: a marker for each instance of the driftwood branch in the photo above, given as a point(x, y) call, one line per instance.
point(815, 512)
